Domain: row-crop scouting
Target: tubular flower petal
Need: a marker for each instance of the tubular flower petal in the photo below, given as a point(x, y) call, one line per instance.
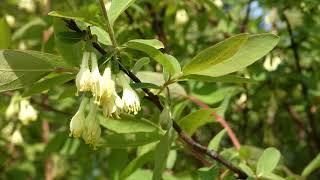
point(16, 137)
point(13, 108)
point(113, 106)
point(84, 79)
point(92, 131)
point(107, 85)
point(27, 113)
point(96, 87)
point(77, 121)
point(129, 97)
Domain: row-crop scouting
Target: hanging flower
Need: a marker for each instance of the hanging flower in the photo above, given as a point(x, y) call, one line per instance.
point(83, 79)
point(27, 113)
point(129, 96)
point(16, 137)
point(113, 106)
point(107, 85)
point(182, 17)
point(92, 130)
point(96, 88)
point(13, 107)
point(77, 121)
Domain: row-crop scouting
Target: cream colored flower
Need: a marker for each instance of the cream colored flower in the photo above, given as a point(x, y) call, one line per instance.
point(271, 63)
point(84, 79)
point(13, 108)
point(96, 88)
point(27, 113)
point(92, 130)
point(77, 121)
point(113, 106)
point(16, 137)
point(182, 17)
point(129, 96)
point(28, 5)
point(107, 85)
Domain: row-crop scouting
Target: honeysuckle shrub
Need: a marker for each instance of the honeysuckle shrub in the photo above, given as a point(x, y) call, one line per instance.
point(131, 89)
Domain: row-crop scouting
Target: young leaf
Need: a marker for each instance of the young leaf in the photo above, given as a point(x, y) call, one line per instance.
point(128, 124)
point(272, 176)
point(168, 63)
point(268, 161)
point(250, 51)
point(161, 154)
point(215, 54)
point(102, 35)
point(117, 8)
point(129, 139)
point(19, 69)
point(247, 169)
point(215, 142)
point(139, 64)
point(191, 122)
point(5, 34)
point(313, 165)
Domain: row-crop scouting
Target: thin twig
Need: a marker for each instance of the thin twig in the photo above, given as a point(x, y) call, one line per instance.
point(156, 100)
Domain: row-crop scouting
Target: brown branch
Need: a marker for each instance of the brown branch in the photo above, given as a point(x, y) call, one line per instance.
point(244, 24)
point(156, 100)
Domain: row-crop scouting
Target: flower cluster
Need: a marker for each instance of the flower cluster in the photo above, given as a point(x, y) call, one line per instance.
point(21, 108)
point(103, 88)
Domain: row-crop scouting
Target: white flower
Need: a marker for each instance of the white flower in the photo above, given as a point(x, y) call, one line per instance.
point(218, 3)
point(96, 88)
point(77, 121)
point(129, 96)
point(182, 17)
point(271, 63)
point(92, 130)
point(10, 20)
point(107, 85)
point(28, 5)
point(16, 137)
point(27, 113)
point(83, 79)
point(113, 106)
point(13, 107)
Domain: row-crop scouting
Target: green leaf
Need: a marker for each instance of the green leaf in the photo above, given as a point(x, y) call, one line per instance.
point(56, 143)
point(34, 26)
point(117, 8)
point(218, 95)
point(169, 63)
point(136, 163)
point(208, 173)
point(161, 154)
point(272, 176)
point(5, 34)
point(176, 90)
point(313, 165)
point(246, 169)
point(46, 84)
point(103, 36)
point(215, 142)
point(71, 53)
point(268, 161)
point(215, 54)
point(145, 85)
point(252, 50)
point(150, 42)
point(224, 79)
point(141, 174)
point(191, 122)
point(128, 124)
point(129, 139)
point(88, 15)
point(139, 64)
point(19, 69)
point(69, 37)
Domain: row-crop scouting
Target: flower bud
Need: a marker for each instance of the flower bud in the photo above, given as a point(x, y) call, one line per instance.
point(77, 121)
point(27, 113)
point(92, 131)
point(129, 96)
point(84, 79)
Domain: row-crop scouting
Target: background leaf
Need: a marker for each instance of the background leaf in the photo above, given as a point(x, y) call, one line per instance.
point(117, 8)
point(5, 34)
point(268, 161)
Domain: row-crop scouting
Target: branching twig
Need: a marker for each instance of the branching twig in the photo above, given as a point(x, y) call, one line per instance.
point(155, 99)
